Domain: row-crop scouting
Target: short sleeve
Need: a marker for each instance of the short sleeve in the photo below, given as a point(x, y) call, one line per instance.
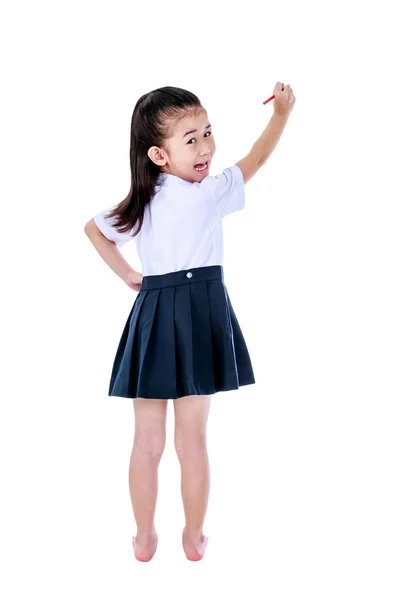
point(108, 229)
point(226, 190)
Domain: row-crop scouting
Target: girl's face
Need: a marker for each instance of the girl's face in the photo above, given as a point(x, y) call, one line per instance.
point(186, 147)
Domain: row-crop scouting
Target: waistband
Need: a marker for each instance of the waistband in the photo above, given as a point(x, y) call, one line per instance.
point(186, 276)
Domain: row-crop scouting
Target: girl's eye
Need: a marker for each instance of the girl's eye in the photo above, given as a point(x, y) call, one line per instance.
point(210, 132)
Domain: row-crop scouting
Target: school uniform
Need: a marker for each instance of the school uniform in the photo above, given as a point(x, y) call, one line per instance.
point(182, 336)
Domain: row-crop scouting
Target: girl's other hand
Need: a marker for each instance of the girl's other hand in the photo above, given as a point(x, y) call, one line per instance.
point(284, 99)
point(134, 280)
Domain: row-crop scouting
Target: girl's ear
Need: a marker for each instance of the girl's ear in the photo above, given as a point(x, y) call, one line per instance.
point(156, 155)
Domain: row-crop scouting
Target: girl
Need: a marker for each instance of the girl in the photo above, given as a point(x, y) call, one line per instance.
point(182, 340)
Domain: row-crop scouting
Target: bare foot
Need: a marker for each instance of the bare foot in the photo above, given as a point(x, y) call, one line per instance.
point(194, 547)
point(145, 546)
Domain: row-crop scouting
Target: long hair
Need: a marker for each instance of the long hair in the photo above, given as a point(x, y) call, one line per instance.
point(150, 126)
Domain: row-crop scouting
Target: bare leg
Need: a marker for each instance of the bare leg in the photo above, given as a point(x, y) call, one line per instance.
point(148, 447)
point(191, 414)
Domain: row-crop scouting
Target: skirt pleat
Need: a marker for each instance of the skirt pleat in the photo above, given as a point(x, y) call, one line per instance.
point(181, 338)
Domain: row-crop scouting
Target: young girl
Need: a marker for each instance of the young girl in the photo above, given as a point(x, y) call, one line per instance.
point(182, 340)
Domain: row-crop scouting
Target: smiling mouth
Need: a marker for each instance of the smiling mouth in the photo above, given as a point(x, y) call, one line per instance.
point(202, 167)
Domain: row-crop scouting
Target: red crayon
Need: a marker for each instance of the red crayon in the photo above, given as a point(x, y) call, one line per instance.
point(265, 101)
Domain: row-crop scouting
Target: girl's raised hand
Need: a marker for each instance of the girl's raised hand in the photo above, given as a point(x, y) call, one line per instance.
point(284, 99)
point(134, 280)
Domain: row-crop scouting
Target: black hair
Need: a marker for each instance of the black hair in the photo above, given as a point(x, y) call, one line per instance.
point(152, 118)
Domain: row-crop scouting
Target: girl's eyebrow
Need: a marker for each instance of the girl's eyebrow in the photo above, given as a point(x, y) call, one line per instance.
point(194, 130)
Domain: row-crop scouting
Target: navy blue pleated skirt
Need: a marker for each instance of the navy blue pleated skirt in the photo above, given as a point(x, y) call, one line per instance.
point(181, 338)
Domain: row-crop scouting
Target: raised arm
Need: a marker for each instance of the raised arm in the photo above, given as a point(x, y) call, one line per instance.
point(266, 143)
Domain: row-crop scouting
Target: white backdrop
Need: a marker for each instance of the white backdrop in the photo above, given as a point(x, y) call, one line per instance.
point(304, 464)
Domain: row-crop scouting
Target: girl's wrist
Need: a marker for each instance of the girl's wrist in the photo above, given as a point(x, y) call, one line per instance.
point(283, 116)
point(128, 274)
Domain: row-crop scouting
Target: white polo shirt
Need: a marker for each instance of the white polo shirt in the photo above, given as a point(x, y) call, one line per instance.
point(182, 226)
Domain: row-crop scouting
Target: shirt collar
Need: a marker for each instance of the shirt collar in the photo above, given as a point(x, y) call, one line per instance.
point(169, 179)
